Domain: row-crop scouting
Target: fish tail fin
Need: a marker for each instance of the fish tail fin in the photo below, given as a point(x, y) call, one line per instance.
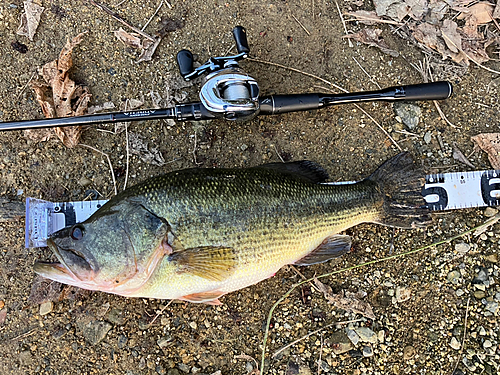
point(400, 181)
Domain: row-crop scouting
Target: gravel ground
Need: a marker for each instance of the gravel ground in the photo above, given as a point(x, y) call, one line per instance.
point(435, 310)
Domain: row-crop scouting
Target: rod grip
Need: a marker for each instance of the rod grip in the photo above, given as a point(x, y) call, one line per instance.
point(428, 91)
point(240, 37)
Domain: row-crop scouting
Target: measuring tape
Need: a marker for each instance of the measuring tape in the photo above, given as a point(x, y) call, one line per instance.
point(445, 191)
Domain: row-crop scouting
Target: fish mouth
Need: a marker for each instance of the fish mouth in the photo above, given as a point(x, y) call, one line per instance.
point(61, 271)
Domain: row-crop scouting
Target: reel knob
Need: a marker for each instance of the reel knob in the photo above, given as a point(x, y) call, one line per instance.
point(185, 63)
point(240, 37)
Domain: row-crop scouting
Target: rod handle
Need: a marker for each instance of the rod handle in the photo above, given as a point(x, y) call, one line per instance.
point(240, 37)
point(428, 91)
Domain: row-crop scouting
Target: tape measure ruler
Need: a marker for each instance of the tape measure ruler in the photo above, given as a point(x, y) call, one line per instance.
point(444, 191)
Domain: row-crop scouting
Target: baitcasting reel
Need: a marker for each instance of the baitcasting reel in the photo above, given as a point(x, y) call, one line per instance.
point(227, 92)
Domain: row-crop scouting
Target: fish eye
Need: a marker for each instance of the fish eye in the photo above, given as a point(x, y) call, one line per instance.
point(77, 232)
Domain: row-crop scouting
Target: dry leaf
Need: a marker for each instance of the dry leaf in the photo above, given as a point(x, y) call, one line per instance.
point(30, 19)
point(59, 96)
point(481, 12)
point(454, 39)
point(345, 300)
point(496, 12)
point(129, 39)
point(395, 9)
point(459, 156)
point(372, 38)
point(489, 143)
point(139, 146)
point(100, 107)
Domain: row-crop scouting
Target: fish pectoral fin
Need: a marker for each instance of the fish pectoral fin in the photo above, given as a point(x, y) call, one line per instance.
point(209, 298)
point(332, 247)
point(215, 263)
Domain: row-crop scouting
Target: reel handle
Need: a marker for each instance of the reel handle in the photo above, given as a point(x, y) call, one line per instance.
point(240, 37)
point(185, 62)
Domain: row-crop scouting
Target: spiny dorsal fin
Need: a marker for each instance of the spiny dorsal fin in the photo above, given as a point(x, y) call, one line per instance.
point(214, 263)
point(304, 168)
point(332, 247)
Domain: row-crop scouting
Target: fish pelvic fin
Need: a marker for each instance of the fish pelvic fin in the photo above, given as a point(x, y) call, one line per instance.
point(332, 247)
point(401, 181)
point(215, 263)
point(208, 298)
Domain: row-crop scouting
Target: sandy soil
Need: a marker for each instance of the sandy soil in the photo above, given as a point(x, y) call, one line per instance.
point(420, 301)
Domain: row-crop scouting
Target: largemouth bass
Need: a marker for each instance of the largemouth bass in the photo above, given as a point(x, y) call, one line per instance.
point(197, 234)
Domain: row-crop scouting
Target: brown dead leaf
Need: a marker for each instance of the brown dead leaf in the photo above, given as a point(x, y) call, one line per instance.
point(129, 39)
point(45, 290)
point(59, 96)
point(139, 146)
point(496, 12)
point(481, 11)
point(30, 19)
point(433, 37)
point(149, 49)
point(459, 156)
point(345, 300)
point(372, 38)
point(454, 39)
point(489, 143)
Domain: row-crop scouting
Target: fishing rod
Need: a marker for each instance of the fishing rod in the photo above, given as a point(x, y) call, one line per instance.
point(230, 93)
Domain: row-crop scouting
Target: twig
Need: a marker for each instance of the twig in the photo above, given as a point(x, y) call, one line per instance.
point(277, 153)
point(109, 162)
point(469, 57)
point(160, 312)
point(378, 20)
point(343, 23)
point(168, 4)
point(153, 16)
point(463, 338)
point(375, 261)
point(364, 71)
point(26, 85)
point(105, 9)
point(297, 71)
point(194, 150)
point(303, 27)
point(320, 353)
point(23, 335)
point(128, 157)
point(312, 333)
point(331, 84)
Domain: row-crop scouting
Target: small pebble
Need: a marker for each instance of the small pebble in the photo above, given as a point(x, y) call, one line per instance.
point(454, 343)
point(366, 334)
point(490, 212)
point(462, 247)
point(46, 308)
point(408, 352)
point(193, 325)
point(428, 137)
point(353, 336)
point(459, 292)
point(367, 351)
point(487, 344)
point(2, 304)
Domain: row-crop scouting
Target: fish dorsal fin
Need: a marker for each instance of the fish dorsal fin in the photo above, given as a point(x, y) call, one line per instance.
point(214, 263)
point(209, 298)
point(332, 247)
point(304, 168)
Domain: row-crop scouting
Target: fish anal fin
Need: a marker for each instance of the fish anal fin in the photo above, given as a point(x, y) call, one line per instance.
point(332, 247)
point(215, 263)
point(209, 298)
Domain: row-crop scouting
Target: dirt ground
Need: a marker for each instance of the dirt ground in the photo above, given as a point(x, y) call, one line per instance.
point(424, 304)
